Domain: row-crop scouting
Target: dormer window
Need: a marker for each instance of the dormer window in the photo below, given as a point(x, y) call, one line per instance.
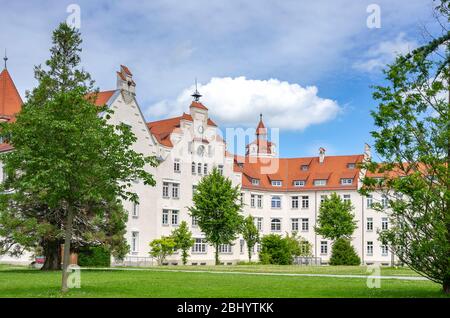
point(320, 182)
point(346, 181)
point(276, 183)
point(304, 167)
point(351, 166)
point(255, 182)
point(299, 183)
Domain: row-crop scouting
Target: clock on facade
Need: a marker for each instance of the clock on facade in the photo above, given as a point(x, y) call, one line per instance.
point(200, 129)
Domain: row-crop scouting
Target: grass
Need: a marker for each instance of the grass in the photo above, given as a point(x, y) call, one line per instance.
point(23, 282)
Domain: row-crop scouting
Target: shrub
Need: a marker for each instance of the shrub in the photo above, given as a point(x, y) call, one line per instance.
point(94, 256)
point(343, 253)
point(275, 250)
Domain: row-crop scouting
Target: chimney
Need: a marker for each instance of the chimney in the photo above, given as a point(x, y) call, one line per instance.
point(321, 155)
point(125, 80)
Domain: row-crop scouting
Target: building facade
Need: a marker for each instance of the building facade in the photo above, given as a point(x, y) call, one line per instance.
point(283, 194)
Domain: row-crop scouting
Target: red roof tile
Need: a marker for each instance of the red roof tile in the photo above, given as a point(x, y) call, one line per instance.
point(10, 100)
point(101, 98)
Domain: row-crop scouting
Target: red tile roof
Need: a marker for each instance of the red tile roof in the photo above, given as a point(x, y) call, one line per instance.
point(198, 105)
point(288, 170)
point(101, 98)
point(126, 69)
point(10, 100)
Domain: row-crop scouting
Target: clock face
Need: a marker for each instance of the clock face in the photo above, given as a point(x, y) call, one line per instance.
point(200, 129)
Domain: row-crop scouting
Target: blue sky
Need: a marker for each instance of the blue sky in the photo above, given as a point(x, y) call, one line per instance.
point(306, 65)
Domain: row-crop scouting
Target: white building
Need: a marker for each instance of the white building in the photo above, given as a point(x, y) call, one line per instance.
point(283, 194)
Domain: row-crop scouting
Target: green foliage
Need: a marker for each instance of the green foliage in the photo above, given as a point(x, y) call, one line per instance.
point(161, 248)
point(343, 253)
point(94, 256)
point(183, 240)
point(413, 136)
point(276, 250)
point(250, 234)
point(335, 218)
point(217, 208)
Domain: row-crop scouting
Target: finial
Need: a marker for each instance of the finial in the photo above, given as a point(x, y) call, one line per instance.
point(196, 94)
point(5, 58)
point(260, 116)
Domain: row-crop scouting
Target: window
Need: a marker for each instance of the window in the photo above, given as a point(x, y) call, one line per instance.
point(241, 246)
point(276, 202)
point(275, 225)
point(346, 198)
point(299, 183)
point(205, 169)
point(194, 188)
point(259, 201)
point(242, 198)
point(258, 247)
point(294, 225)
point(174, 217)
point(322, 198)
point(255, 182)
point(194, 221)
point(346, 181)
point(384, 223)
point(199, 168)
point(176, 165)
point(305, 225)
point(199, 246)
point(323, 247)
point(384, 250)
point(320, 182)
point(276, 183)
point(220, 168)
point(369, 201)
point(259, 224)
point(252, 200)
point(304, 167)
point(350, 165)
point(384, 201)
point(369, 248)
point(225, 248)
point(193, 167)
point(294, 202)
point(369, 224)
point(135, 211)
point(175, 190)
point(165, 217)
point(134, 242)
point(305, 202)
point(165, 189)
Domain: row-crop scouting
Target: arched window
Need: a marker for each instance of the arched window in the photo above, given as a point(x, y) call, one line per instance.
point(276, 202)
point(275, 225)
point(193, 167)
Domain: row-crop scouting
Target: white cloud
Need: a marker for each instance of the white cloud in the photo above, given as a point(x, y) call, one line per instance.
point(378, 56)
point(239, 101)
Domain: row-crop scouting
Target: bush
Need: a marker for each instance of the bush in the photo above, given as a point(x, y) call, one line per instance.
point(94, 256)
point(247, 263)
point(343, 253)
point(275, 250)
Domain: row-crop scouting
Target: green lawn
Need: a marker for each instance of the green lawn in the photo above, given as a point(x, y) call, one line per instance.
point(22, 282)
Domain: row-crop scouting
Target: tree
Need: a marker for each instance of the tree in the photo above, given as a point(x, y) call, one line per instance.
point(250, 234)
point(161, 248)
point(183, 240)
point(343, 253)
point(413, 137)
point(276, 250)
point(335, 218)
point(217, 209)
point(66, 156)
point(299, 245)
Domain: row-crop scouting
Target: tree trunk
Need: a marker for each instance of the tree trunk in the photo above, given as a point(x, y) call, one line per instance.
point(68, 237)
point(217, 255)
point(52, 254)
point(446, 285)
point(249, 254)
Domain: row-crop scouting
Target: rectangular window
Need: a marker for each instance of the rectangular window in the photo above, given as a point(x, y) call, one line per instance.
point(346, 198)
point(199, 168)
point(369, 224)
point(134, 242)
point(351, 166)
point(258, 247)
point(194, 221)
point(199, 246)
point(135, 211)
point(294, 202)
point(384, 250)
point(175, 190)
point(299, 183)
point(384, 223)
point(305, 202)
point(384, 201)
point(205, 169)
point(225, 248)
point(193, 167)
point(255, 182)
point(241, 246)
point(176, 165)
point(369, 248)
point(294, 225)
point(165, 217)
point(305, 225)
point(346, 181)
point(252, 200)
point(220, 167)
point(174, 217)
point(369, 201)
point(165, 189)
point(320, 182)
point(304, 168)
point(275, 225)
point(259, 222)
point(194, 188)
point(323, 247)
point(276, 202)
point(259, 201)
point(276, 183)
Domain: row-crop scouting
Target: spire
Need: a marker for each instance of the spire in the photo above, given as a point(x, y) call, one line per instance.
point(5, 59)
point(196, 94)
point(261, 129)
